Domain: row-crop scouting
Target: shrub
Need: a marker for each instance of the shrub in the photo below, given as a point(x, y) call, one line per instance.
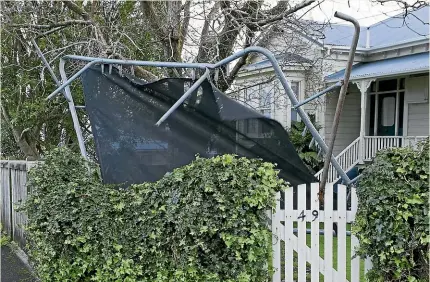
point(308, 154)
point(203, 222)
point(392, 222)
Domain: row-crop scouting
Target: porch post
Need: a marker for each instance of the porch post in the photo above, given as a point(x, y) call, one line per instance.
point(363, 85)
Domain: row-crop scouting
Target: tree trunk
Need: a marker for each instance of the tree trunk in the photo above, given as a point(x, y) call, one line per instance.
point(28, 147)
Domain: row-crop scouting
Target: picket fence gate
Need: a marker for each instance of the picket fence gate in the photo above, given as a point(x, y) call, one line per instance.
point(289, 221)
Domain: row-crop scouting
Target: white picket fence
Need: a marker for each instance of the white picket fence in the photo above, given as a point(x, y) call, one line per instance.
point(289, 227)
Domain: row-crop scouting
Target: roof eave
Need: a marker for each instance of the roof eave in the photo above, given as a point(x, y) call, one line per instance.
point(403, 44)
point(376, 76)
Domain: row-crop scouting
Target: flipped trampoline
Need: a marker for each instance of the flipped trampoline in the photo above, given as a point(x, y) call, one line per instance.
point(145, 130)
point(132, 148)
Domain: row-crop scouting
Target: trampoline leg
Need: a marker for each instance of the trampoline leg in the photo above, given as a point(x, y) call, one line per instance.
point(67, 95)
point(72, 110)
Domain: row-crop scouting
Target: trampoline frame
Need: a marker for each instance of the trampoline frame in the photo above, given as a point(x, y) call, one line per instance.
point(64, 87)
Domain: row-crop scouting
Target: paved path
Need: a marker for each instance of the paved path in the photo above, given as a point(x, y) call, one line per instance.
point(12, 268)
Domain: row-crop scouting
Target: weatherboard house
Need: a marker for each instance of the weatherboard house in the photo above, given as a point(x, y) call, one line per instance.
point(387, 102)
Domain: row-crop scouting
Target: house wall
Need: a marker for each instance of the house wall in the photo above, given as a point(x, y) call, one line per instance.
point(416, 106)
point(281, 105)
point(349, 125)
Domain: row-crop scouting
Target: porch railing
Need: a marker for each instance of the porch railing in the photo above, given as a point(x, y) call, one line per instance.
point(352, 154)
point(373, 144)
point(347, 159)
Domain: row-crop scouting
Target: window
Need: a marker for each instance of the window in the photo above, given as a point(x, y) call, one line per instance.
point(388, 110)
point(252, 126)
point(387, 85)
point(295, 86)
point(265, 100)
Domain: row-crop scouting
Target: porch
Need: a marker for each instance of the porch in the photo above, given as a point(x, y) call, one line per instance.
point(387, 105)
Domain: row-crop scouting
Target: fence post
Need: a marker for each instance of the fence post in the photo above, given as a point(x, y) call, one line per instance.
point(6, 201)
point(276, 240)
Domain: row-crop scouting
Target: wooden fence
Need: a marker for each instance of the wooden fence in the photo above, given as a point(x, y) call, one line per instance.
point(304, 246)
point(13, 192)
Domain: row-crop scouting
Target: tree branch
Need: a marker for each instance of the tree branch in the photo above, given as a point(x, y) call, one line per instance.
point(303, 4)
point(59, 24)
point(185, 24)
point(78, 10)
point(242, 61)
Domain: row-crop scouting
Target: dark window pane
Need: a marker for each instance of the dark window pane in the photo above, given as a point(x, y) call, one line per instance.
point(372, 115)
point(387, 85)
point(252, 126)
point(266, 127)
point(373, 86)
point(402, 83)
point(401, 108)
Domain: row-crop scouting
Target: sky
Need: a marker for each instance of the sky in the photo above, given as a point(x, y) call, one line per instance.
point(366, 12)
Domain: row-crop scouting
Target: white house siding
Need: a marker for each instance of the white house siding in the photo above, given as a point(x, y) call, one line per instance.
point(418, 120)
point(281, 105)
point(417, 106)
point(349, 125)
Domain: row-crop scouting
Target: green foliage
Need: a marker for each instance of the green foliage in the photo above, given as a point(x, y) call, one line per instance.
point(309, 155)
point(203, 222)
point(4, 238)
point(392, 222)
point(26, 82)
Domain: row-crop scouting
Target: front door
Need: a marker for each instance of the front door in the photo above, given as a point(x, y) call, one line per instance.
point(383, 114)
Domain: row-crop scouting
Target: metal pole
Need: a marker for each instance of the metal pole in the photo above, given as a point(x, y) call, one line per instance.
point(51, 71)
point(313, 97)
point(72, 110)
point(341, 100)
point(70, 80)
point(183, 97)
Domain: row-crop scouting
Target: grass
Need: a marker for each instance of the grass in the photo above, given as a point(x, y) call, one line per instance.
point(321, 253)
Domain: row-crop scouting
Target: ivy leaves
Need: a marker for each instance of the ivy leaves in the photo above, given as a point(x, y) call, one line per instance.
point(203, 222)
point(392, 222)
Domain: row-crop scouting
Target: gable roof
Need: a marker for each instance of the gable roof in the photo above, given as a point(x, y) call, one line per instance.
point(341, 35)
point(396, 29)
point(400, 28)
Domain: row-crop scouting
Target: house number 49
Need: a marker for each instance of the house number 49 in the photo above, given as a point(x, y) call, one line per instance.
point(302, 215)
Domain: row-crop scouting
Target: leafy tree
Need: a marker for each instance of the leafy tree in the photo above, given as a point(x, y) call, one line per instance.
point(34, 124)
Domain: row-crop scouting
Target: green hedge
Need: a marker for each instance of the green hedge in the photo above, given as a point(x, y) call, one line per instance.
point(392, 222)
point(204, 222)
